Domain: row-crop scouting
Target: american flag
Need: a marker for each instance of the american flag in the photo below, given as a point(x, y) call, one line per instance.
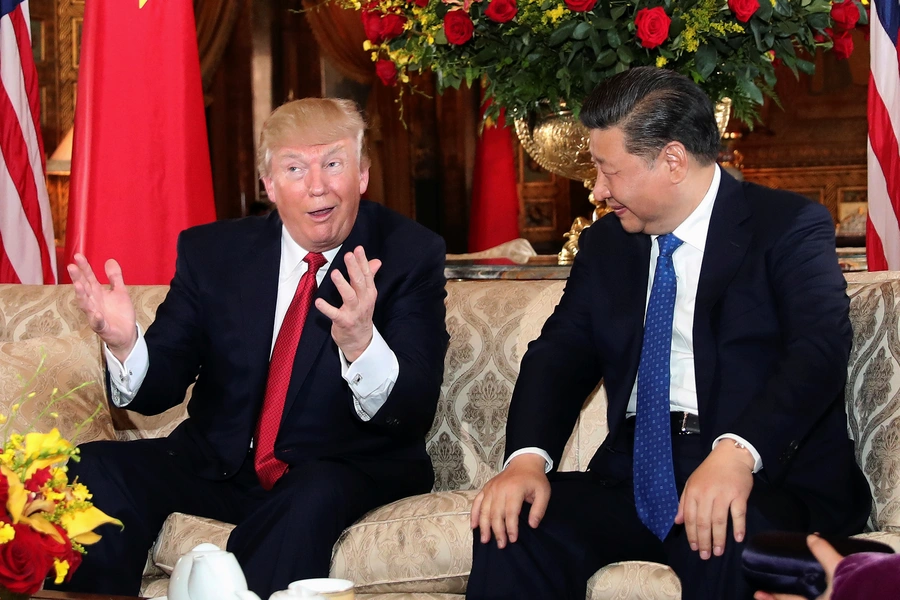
point(27, 252)
point(883, 225)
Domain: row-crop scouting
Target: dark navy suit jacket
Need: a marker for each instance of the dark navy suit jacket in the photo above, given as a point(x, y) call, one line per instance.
point(771, 336)
point(215, 327)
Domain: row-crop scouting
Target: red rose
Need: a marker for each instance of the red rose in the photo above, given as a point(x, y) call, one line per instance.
point(371, 21)
point(62, 550)
point(845, 15)
point(501, 10)
point(386, 71)
point(458, 27)
point(580, 5)
point(421, 3)
point(24, 562)
point(652, 26)
point(38, 479)
point(743, 9)
point(4, 490)
point(392, 26)
point(843, 44)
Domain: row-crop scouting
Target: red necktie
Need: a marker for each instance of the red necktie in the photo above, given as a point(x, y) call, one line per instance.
point(269, 468)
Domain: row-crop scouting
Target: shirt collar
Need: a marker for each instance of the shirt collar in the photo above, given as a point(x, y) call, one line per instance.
point(292, 254)
point(694, 229)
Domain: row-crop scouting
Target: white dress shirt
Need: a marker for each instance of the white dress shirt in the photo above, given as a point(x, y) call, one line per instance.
point(371, 377)
point(687, 260)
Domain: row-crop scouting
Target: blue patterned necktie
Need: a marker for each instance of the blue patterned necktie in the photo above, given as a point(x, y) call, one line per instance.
point(655, 495)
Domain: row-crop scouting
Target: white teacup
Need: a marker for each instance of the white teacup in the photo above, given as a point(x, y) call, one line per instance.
point(328, 587)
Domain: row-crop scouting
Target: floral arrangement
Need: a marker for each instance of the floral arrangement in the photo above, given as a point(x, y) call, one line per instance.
point(556, 51)
point(47, 519)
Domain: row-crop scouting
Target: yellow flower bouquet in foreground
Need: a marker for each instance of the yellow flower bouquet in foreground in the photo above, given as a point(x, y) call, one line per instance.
point(47, 519)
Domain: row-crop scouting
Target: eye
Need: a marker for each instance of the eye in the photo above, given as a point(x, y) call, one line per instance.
point(333, 164)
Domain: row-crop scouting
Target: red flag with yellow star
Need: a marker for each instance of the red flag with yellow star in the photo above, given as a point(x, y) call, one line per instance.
point(140, 162)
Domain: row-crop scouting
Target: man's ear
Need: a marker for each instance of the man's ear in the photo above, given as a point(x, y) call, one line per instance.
point(676, 157)
point(270, 189)
point(363, 180)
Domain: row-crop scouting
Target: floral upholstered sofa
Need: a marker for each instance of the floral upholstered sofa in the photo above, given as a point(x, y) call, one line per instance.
point(420, 547)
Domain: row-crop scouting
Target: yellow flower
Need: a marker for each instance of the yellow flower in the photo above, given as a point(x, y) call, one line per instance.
point(80, 524)
point(367, 45)
point(7, 532)
point(62, 569)
point(45, 449)
point(80, 492)
point(3, 419)
point(661, 61)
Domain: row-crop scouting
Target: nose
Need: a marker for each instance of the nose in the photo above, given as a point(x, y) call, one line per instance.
point(315, 182)
point(601, 189)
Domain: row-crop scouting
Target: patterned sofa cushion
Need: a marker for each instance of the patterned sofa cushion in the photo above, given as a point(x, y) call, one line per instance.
point(54, 382)
point(873, 390)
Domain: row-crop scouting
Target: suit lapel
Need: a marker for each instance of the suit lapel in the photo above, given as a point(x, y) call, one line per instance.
point(727, 243)
point(317, 328)
point(258, 282)
point(628, 299)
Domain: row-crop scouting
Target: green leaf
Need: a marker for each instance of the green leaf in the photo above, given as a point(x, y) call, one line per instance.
point(617, 12)
point(706, 59)
point(606, 24)
point(613, 37)
point(783, 8)
point(764, 12)
point(806, 66)
point(620, 68)
point(625, 54)
point(440, 37)
point(819, 21)
point(563, 33)
point(582, 31)
point(596, 44)
point(607, 58)
point(750, 89)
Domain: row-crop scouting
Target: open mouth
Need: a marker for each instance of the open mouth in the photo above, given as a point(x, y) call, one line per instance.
point(321, 214)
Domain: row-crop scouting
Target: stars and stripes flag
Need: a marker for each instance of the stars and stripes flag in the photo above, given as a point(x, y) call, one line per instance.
point(27, 251)
point(883, 225)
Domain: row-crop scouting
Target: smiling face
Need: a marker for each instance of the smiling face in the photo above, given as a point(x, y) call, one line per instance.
point(317, 189)
point(639, 192)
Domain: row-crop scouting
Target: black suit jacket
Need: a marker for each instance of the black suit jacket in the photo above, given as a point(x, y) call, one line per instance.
point(771, 334)
point(215, 327)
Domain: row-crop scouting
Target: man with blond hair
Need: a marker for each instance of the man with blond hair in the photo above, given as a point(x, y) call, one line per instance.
point(314, 337)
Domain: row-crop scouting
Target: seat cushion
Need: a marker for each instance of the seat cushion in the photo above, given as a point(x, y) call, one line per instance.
point(417, 544)
point(181, 533)
point(636, 580)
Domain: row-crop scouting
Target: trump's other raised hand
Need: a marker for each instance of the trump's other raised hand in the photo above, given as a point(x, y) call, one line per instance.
point(109, 310)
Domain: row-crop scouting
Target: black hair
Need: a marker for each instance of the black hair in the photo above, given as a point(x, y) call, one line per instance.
point(653, 107)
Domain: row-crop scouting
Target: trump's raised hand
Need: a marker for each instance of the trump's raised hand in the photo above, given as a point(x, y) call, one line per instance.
point(109, 309)
point(351, 324)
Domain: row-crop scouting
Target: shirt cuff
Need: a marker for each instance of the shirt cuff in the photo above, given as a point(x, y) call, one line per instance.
point(531, 450)
point(127, 377)
point(757, 465)
point(372, 376)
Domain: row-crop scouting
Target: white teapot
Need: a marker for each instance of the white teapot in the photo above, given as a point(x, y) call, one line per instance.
point(207, 573)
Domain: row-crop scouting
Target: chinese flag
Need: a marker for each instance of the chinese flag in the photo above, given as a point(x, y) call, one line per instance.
point(494, 217)
point(140, 161)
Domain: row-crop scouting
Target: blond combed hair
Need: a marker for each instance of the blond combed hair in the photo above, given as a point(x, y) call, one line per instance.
point(311, 122)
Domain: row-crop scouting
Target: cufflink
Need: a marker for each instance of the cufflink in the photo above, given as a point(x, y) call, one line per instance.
point(357, 379)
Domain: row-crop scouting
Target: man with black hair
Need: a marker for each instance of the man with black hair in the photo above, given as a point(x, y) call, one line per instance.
point(716, 314)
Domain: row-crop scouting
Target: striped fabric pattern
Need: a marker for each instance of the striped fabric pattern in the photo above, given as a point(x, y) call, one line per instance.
point(27, 252)
point(883, 225)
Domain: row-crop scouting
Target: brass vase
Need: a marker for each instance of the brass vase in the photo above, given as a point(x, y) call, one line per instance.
point(559, 143)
